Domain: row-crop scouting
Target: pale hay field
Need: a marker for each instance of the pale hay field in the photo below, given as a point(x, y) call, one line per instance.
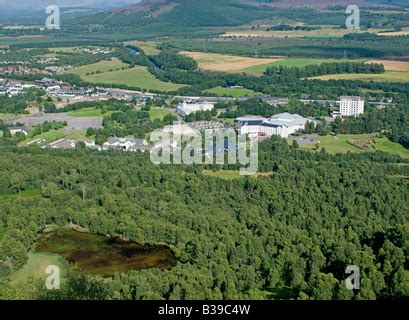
point(227, 63)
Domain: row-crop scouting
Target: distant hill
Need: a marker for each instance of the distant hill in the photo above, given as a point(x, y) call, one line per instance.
point(169, 17)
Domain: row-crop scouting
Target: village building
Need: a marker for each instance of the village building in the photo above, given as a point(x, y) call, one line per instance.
point(283, 125)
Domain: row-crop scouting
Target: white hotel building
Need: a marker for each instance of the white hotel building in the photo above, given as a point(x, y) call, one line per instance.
point(283, 125)
point(185, 109)
point(351, 106)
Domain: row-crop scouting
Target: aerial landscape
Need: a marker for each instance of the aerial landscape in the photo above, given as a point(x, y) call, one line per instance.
point(240, 150)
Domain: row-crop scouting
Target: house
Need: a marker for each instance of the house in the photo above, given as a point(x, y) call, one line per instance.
point(126, 144)
point(14, 130)
point(283, 125)
point(185, 109)
point(351, 106)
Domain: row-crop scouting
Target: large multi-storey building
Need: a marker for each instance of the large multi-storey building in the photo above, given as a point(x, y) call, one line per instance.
point(283, 124)
point(351, 106)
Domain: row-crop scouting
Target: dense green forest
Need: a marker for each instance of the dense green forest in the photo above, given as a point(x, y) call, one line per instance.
point(288, 235)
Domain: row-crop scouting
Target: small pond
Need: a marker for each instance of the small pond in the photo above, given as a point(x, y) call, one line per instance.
point(104, 255)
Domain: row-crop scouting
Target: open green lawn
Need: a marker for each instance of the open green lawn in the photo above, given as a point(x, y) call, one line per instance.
point(2, 232)
point(388, 76)
point(57, 134)
point(37, 264)
point(102, 66)
point(7, 115)
point(89, 112)
point(231, 175)
point(231, 92)
point(138, 77)
point(223, 174)
point(26, 194)
point(339, 144)
point(48, 136)
point(158, 113)
point(293, 62)
point(384, 144)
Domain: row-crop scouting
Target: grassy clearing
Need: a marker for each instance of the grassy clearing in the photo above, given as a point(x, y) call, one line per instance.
point(102, 66)
point(56, 135)
point(26, 194)
point(340, 144)
point(388, 76)
point(223, 174)
point(158, 113)
point(65, 49)
point(89, 112)
point(149, 47)
point(232, 92)
point(37, 264)
point(47, 136)
point(7, 115)
point(227, 63)
point(384, 144)
point(325, 31)
point(138, 77)
point(232, 175)
point(2, 232)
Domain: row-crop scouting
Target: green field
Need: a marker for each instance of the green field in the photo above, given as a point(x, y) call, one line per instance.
point(231, 92)
point(89, 112)
point(388, 76)
point(2, 232)
point(37, 264)
point(339, 144)
point(158, 113)
point(293, 62)
point(7, 115)
point(149, 47)
point(138, 77)
point(384, 144)
point(26, 194)
point(102, 66)
point(57, 134)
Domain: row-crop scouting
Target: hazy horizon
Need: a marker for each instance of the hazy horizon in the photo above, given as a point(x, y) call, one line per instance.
point(37, 4)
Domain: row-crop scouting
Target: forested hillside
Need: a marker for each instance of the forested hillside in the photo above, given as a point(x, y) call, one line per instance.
point(288, 235)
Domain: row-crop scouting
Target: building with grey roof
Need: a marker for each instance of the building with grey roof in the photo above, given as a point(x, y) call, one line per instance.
point(126, 144)
point(283, 124)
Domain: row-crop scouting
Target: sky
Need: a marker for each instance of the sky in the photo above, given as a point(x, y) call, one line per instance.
point(38, 4)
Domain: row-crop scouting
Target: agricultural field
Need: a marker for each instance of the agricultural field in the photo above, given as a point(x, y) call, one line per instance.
point(388, 76)
point(390, 65)
point(149, 47)
point(102, 67)
point(325, 31)
point(293, 62)
point(138, 77)
point(231, 92)
point(227, 63)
